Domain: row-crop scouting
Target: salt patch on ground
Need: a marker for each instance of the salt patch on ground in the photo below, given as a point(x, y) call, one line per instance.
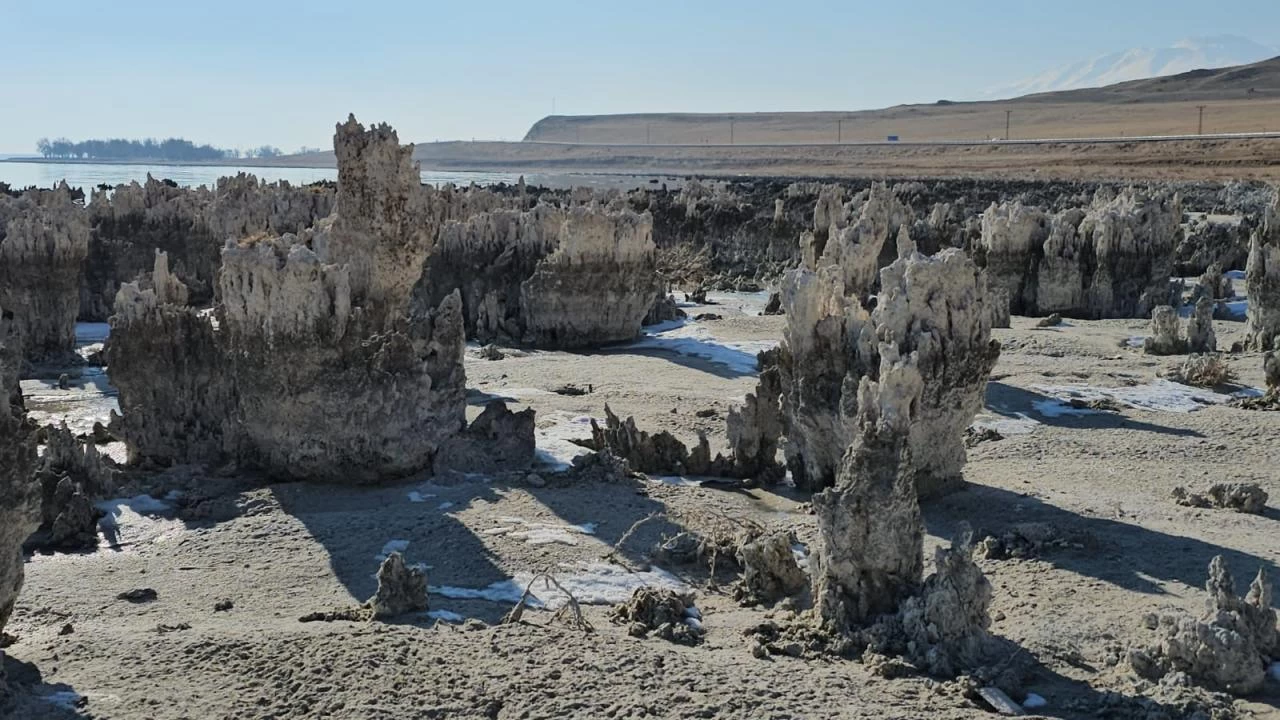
point(90, 399)
point(445, 505)
point(136, 520)
point(1156, 396)
point(392, 546)
point(446, 616)
point(747, 303)
point(1034, 701)
point(503, 591)
point(537, 533)
point(554, 449)
point(600, 583)
point(677, 481)
point(1017, 424)
point(800, 552)
point(65, 699)
point(591, 584)
point(417, 497)
point(692, 339)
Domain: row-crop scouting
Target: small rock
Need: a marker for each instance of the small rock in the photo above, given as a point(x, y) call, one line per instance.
point(64, 381)
point(707, 413)
point(223, 605)
point(1053, 320)
point(138, 595)
point(534, 480)
point(66, 629)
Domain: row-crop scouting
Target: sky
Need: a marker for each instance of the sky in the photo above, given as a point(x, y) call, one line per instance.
point(234, 73)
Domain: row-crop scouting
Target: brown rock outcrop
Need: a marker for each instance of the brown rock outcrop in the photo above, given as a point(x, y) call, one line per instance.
point(19, 491)
point(322, 361)
point(550, 277)
point(44, 237)
point(131, 222)
point(1226, 648)
point(1262, 283)
point(1113, 259)
point(931, 321)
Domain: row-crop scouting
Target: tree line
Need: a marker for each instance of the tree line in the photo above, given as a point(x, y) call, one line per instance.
point(149, 149)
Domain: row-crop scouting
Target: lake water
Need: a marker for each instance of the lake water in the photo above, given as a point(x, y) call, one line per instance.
point(90, 175)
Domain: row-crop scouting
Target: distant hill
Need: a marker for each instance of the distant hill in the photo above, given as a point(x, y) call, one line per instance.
point(1243, 98)
point(1141, 63)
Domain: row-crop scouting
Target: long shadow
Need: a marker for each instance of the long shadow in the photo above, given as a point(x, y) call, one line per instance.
point(1016, 402)
point(32, 696)
point(1124, 554)
point(356, 526)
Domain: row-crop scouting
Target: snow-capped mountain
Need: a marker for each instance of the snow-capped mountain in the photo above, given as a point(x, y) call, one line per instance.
point(1139, 63)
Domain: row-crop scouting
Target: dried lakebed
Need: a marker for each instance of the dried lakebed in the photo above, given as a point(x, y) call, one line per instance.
point(1098, 480)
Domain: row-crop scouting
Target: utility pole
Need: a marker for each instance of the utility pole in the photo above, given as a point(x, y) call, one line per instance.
point(839, 131)
point(1007, 114)
point(1201, 129)
point(731, 131)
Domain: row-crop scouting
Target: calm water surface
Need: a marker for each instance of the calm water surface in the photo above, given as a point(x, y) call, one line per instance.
point(89, 175)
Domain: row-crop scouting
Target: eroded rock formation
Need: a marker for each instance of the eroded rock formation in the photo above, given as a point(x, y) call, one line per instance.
point(322, 360)
point(550, 277)
point(191, 225)
point(1262, 283)
point(19, 491)
point(1166, 333)
point(928, 335)
point(44, 237)
point(1240, 497)
point(1227, 647)
point(769, 568)
point(401, 588)
point(1113, 259)
point(72, 476)
point(1200, 335)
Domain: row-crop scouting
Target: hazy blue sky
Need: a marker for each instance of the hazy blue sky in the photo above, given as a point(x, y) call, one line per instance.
point(240, 73)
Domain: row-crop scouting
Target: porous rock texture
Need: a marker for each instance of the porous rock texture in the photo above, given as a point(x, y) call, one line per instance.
point(769, 568)
point(322, 361)
point(72, 475)
point(131, 222)
point(1215, 284)
point(1166, 333)
point(550, 277)
point(1241, 497)
point(19, 491)
point(1200, 335)
point(1262, 283)
point(660, 611)
point(861, 238)
point(44, 237)
point(928, 336)
point(867, 581)
point(1227, 647)
point(1111, 260)
point(946, 624)
point(401, 588)
point(869, 556)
